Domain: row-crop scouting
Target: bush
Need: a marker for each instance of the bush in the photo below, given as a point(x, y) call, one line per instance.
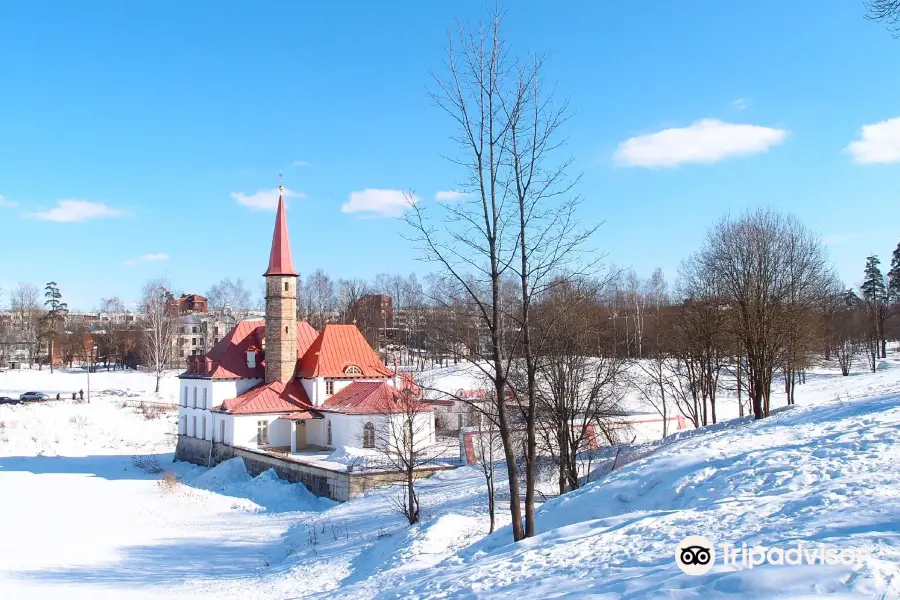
point(150, 411)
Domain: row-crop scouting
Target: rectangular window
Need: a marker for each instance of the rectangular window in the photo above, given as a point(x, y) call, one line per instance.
point(182, 425)
point(262, 433)
point(193, 330)
point(204, 397)
point(203, 437)
point(185, 394)
point(222, 431)
point(329, 388)
point(195, 396)
point(195, 426)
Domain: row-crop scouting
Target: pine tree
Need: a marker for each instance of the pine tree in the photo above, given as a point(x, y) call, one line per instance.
point(893, 288)
point(875, 295)
point(56, 313)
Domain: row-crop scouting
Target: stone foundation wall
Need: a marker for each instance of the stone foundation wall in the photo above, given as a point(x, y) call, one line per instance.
point(337, 485)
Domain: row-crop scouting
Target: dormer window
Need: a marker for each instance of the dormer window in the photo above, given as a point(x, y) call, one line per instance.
point(352, 370)
point(251, 359)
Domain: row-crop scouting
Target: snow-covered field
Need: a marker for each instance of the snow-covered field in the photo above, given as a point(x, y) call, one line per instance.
point(84, 514)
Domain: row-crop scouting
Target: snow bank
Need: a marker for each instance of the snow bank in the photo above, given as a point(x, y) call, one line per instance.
point(823, 473)
point(353, 457)
point(265, 492)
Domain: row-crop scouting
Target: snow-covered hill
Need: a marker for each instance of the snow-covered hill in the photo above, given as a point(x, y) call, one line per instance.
point(83, 514)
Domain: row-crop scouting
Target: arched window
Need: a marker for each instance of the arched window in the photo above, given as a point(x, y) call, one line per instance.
point(368, 435)
point(353, 370)
point(328, 433)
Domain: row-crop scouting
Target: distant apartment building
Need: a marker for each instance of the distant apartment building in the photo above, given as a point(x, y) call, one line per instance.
point(188, 304)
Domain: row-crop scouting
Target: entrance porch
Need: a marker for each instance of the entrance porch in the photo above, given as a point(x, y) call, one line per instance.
point(307, 431)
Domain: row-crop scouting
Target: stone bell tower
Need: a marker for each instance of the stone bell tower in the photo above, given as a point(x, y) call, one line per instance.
point(281, 303)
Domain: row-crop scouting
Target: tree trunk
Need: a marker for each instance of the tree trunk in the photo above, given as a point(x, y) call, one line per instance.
point(491, 511)
point(757, 398)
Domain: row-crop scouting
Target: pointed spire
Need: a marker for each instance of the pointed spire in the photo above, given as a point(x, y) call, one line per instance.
point(280, 262)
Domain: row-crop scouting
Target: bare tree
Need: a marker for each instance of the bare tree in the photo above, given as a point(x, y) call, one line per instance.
point(403, 434)
point(650, 376)
point(849, 331)
point(27, 314)
point(518, 220)
point(488, 447)
point(230, 294)
point(756, 261)
point(349, 292)
point(471, 241)
point(580, 384)
point(157, 348)
point(886, 11)
point(319, 298)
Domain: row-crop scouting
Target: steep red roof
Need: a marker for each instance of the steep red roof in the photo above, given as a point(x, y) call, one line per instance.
point(371, 397)
point(339, 347)
point(228, 358)
point(280, 262)
point(269, 398)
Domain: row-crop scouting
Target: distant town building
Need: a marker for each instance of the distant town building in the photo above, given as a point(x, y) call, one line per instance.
point(188, 304)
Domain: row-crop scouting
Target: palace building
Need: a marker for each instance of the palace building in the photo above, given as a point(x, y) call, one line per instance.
point(277, 383)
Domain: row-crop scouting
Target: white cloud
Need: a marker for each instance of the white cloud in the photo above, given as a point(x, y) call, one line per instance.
point(264, 199)
point(704, 141)
point(378, 203)
point(450, 195)
point(739, 103)
point(301, 163)
point(153, 257)
point(880, 143)
point(70, 211)
point(4, 203)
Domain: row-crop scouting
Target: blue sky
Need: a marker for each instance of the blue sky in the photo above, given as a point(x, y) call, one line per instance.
point(131, 133)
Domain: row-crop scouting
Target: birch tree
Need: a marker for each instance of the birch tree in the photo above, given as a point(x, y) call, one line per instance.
point(157, 348)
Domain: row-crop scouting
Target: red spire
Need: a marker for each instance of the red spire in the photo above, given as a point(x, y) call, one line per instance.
point(280, 262)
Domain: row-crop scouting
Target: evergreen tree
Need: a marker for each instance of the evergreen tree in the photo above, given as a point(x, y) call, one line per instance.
point(894, 278)
point(875, 295)
point(56, 313)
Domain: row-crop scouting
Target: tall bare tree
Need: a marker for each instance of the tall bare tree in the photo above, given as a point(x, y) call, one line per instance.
point(517, 220)
point(757, 260)
point(472, 239)
point(319, 298)
point(27, 314)
point(230, 294)
point(157, 348)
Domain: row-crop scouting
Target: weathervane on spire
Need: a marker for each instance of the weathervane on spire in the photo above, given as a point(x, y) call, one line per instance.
point(281, 181)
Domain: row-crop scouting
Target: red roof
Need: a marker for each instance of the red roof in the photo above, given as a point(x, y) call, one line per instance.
point(371, 397)
point(229, 357)
point(269, 398)
point(280, 262)
point(339, 347)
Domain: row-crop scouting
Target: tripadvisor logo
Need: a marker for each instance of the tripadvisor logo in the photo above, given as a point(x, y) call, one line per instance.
point(696, 555)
